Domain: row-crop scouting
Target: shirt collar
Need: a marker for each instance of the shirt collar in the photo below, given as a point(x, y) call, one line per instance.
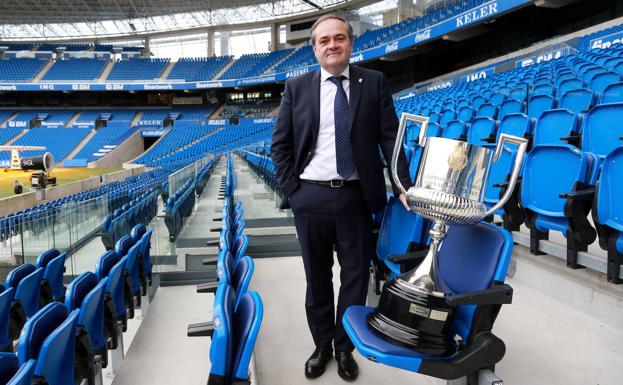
point(324, 74)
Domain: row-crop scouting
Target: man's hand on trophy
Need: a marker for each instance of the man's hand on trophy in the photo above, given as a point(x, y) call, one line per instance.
point(403, 199)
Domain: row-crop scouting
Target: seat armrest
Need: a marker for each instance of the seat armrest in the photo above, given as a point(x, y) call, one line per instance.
point(579, 195)
point(208, 287)
point(408, 257)
point(201, 329)
point(496, 295)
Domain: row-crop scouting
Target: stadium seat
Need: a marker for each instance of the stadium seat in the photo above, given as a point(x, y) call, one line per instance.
point(510, 106)
point(484, 251)
point(578, 100)
point(53, 263)
point(602, 80)
point(48, 338)
point(455, 130)
point(87, 294)
point(557, 127)
point(613, 93)
point(26, 280)
point(482, 131)
point(9, 364)
point(487, 110)
point(24, 374)
point(6, 299)
point(607, 213)
point(557, 194)
point(539, 104)
point(599, 135)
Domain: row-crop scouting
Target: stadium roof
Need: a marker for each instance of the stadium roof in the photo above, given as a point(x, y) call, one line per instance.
point(61, 19)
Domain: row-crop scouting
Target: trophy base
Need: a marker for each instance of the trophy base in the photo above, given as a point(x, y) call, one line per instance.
point(415, 318)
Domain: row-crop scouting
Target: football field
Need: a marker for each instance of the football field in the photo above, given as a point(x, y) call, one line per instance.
point(63, 176)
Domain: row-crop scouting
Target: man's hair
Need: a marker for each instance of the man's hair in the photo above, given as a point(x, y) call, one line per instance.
point(331, 16)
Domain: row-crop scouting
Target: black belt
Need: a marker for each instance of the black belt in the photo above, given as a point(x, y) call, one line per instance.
point(335, 183)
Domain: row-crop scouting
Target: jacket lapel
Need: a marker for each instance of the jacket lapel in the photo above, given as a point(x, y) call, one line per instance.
point(355, 93)
point(315, 104)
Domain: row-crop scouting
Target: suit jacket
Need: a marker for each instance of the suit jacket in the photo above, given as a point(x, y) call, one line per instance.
point(373, 123)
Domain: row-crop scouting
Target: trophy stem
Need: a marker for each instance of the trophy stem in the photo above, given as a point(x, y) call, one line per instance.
point(424, 275)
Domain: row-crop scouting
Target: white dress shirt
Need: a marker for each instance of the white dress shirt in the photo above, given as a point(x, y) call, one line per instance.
point(323, 164)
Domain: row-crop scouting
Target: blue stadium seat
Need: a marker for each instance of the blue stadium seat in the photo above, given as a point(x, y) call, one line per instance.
point(472, 259)
point(86, 293)
point(48, 337)
point(26, 280)
point(487, 110)
point(608, 213)
point(455, 129)
point(6, 299)
point(539, 104)
point(24, 374)
point(9, 364)
point(511, 106)
point(613, 93)
point(602, 80)
point(599, 135)
point(578, 100)
point(482, 131)
point(557, 127)
point(557, 193)
point(53, 263)
point(246, 324)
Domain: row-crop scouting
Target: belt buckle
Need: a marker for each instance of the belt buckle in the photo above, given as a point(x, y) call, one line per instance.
point(336, 183)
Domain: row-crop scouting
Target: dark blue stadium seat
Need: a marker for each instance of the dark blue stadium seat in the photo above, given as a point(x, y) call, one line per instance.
point(24, 374)
point(471, 259)
point(48, 337)
point(246, 324)
point(53, 263)
point(9, 364)
point(556, 193)
point(86, 293)
point(6, 300)
point(26, 280)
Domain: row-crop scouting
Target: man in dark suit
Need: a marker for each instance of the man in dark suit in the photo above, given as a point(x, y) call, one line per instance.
point(325, 147)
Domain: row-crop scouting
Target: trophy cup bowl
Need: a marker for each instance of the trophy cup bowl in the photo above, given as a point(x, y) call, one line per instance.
point(449, 189)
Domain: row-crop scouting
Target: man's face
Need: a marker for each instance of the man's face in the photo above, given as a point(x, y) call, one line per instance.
point(332, 45)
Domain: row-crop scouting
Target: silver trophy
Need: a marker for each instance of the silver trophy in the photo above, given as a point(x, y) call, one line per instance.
point(449, 189)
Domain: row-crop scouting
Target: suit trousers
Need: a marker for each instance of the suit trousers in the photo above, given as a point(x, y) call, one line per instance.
point(325, 218)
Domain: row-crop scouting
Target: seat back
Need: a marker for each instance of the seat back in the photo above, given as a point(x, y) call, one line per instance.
point(24, 374)
point(549, 172)
point(6, 297)
point(511, 106)
point(481, 129)
point(78, 288)
point(115, 286)
point(9, 364)
point(53, 274)
point(132, 266)
point(515, 124)
point(242, 276)
point(613, 93)
point(554, 124)
point(56, 358)
point(123, 246)
point(400, 229)
point(87, 294)
point(609, 207)
point(28, 291)
point(239, 248)
point(38, 328)
point(578, 100)
point(247, 322)
point(472, 258)
point(137, 232)
point(221, 348)
point(539, 104)
point(104, 263)
point(601, 134)
point(454, 130)
point(44, 258)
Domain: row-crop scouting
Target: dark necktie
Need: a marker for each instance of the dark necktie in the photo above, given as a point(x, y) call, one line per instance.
point(341, 114)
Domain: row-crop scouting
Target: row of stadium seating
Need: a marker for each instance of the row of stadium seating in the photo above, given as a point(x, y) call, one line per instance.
point(229, 138)
point(193, 69)
point(60, 342)
point(180, 205)
point(138, 211)
point(264, 167)
point(248, 108)
point(237, 313)
point(138, 69)
point(75, 69)
point(254, 64)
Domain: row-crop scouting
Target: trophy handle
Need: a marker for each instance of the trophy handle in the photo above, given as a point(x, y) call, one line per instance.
point(523, 144)
point(404, 118)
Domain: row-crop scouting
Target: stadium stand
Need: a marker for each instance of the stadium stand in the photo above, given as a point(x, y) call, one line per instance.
point(192, 69)
point(20, 69)
point(138, 69)
point(75, 69)
point(254, 64)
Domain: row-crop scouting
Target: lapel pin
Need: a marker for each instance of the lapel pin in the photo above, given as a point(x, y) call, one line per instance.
point(360, 80)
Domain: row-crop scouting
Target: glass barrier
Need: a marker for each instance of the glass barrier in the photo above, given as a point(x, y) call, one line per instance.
point(178, 178)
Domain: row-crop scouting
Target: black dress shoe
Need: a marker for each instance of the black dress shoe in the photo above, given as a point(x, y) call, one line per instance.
point(315, 365)
point(346, 366)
